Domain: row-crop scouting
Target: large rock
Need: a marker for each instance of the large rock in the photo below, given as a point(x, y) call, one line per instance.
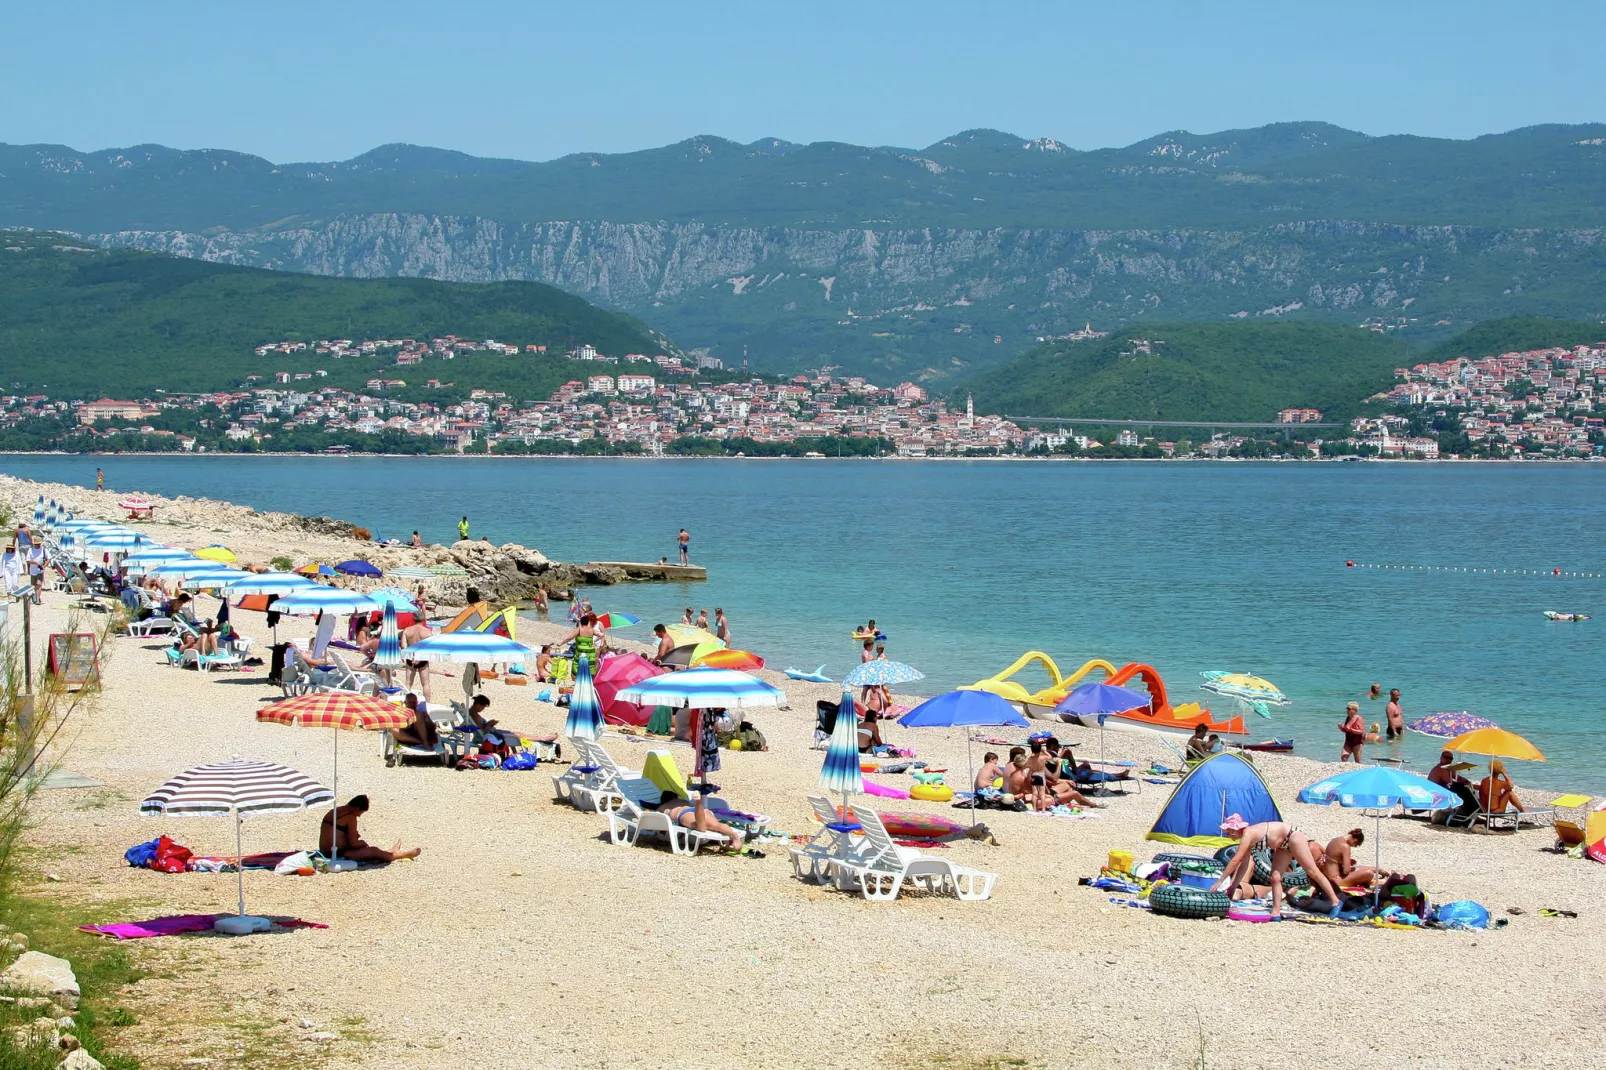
point(79, 1059)
point(38, 974)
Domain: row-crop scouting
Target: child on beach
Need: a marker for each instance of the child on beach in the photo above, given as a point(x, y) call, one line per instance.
point(989, 772)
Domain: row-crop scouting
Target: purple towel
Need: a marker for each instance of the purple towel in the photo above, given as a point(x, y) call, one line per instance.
point(181, 923)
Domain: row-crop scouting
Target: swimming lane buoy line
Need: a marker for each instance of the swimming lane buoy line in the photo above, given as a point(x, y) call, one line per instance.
point(1553, 573)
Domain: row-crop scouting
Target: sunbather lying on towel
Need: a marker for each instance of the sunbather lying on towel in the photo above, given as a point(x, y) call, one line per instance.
point(684, 813)
point(350, 841)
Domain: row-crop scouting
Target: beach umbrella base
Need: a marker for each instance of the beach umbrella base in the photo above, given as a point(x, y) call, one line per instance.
point(242, 924)
point(341, 865)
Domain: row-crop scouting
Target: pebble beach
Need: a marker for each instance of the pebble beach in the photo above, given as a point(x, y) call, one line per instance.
point(521, 937)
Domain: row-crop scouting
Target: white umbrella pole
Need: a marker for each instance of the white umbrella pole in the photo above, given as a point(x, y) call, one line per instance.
point(334, 807)
point(239, 861)
point(970, 764)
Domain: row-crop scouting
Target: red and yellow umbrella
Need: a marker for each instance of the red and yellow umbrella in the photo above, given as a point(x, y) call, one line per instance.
point(740, 660)
point(343, 711)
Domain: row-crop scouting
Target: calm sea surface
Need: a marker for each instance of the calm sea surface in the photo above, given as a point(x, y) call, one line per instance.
point(1187, 567)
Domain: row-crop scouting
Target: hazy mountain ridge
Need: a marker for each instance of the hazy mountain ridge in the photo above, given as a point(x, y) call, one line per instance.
point(896, 261)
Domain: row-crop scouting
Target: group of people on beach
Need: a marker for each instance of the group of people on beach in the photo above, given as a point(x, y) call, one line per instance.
point(1045, 771)
point(1357, 734)
point(1331, 868)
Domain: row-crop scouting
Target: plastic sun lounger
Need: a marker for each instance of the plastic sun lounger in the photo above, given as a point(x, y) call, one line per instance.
point(837, 841)
point(150, 626)
point(395, 752)
point(886, 867)
point(594, 794)
point(1514, 819)
point(629, 821)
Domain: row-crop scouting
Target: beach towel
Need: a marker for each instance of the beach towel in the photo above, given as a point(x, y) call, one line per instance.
point(182, 923)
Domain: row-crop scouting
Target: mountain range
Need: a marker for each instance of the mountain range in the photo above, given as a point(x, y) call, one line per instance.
point(934, 264)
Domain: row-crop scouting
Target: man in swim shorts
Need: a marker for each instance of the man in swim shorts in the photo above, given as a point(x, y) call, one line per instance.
point(1396, 717)
point(683, 543)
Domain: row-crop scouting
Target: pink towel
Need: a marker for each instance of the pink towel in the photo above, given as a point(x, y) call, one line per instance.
point(181, 923)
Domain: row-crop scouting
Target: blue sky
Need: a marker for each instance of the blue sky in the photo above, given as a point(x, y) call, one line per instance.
point(297, 81)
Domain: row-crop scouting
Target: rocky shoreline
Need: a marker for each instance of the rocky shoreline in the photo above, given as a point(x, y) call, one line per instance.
point(506, 573)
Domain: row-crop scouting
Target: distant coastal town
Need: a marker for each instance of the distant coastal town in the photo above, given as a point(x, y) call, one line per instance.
point(1537, 404)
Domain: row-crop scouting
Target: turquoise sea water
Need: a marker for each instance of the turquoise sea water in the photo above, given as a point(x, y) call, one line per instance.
point(966, 565)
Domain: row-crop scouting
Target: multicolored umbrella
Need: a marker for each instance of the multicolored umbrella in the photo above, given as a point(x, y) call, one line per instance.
point(1380, 788)
point(135, 502)
point(388, 654)
point(315, 569)
point(240, 787)
point(617, 620)
point(740, 660)
point(704, 688)
point(1497, 743)
point(1449, 724)
point(216, 553)
point(343, 711)
point(1253, 691)
point(585, 708)
point(881, 673)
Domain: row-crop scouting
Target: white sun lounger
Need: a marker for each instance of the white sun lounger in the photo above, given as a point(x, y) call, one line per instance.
point(602, 773)
point(884, 867)
point(835, 842)
point(629, 821)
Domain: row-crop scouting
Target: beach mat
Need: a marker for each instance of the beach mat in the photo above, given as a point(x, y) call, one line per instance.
point(177, 924)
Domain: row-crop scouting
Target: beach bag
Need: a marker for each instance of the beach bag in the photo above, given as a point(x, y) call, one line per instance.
point(170, 857)
point(752, 738)
point(520, 762)
point(141, 855)
point(291, 863)
point(1462, 914)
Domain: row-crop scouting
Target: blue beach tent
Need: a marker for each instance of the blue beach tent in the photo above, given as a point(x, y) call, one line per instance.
point(1220, 785)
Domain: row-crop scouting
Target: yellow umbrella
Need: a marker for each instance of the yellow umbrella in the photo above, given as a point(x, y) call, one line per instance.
point(698, 637)
point(1496, 742)
point(216, 553)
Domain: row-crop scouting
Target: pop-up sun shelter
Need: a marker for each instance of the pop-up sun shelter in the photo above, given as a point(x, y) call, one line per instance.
point(1220, 785)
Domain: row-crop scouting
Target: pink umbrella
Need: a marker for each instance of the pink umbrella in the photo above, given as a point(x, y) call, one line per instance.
point(617, 673)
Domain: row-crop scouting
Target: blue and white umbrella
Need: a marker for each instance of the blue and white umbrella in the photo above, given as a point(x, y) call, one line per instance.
point(841, 770)
point(881, 672)
point(177, 571)
point(585, 708)
point(396, 597)
point(213, 578)
point(1379, 788)
point(39, 511)
point(115, 542)
point(480, 648)
point(52, 515)
point(703, 688)
point(388, 655)
point(150, 557)
point(411, 572)
point(315, 599)
point(279, 583)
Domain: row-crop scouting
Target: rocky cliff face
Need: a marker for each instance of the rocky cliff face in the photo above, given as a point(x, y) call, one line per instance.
point(931, 303)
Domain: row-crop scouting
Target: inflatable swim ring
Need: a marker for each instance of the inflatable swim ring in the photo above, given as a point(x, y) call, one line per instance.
point(1193, 863)
point(932, 792)
point(1294, 878)
point(1177, 901)
point(861, 636)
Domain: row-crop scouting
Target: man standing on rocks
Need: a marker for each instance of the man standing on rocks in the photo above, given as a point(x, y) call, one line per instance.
point(462, 530)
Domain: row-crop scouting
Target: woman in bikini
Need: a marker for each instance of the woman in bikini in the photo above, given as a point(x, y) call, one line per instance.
point(685, 814)
point(339, 828)
point(1287, 845)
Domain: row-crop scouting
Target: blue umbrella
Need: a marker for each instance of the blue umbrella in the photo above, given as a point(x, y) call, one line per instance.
point(388, 655)
point(356, 567)
point(841, 770)
point(1379, 787)
point(880, 672)
point(1090, 704)
point(965, 709)
point(39, 511)
point(585, 708)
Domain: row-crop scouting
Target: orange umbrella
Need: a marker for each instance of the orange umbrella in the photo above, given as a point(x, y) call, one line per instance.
point(1496, 742)
point(342, 711)
point(740, 660)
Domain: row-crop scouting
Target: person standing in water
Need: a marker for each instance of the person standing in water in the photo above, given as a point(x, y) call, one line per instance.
point(1354, 728)
point(1396, 717)
point(684, 542)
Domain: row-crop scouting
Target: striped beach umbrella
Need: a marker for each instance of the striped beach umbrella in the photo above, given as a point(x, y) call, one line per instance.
point(410, 572)
point(704, 688)
point(343, 711)
point(115, 542)
point(882, 673)
point(585, 708)
point(448, 570)
point(39, 511)
point(617, 620)
point(241, 787)
point(176, 571)
point(52, 515)
point(213, 578)
point(481, 648)
point(394, 596)
point(149, 557)
point(312, 600)
point(1247, 689)
point(388, 655)
point(841, 770)
point(280, 583)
